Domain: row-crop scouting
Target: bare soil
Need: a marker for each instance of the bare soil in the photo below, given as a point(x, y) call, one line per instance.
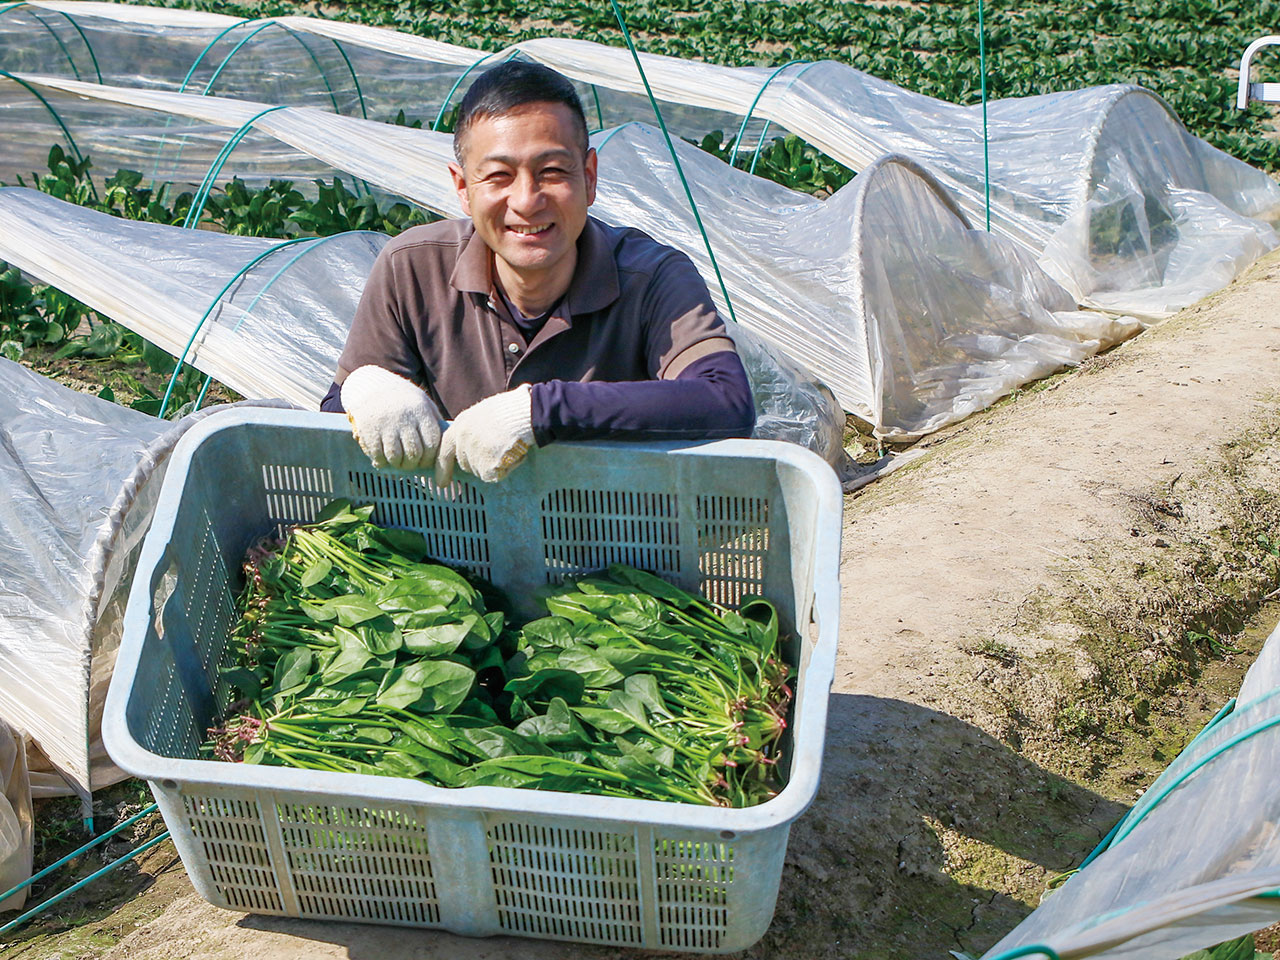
point(1037, 615)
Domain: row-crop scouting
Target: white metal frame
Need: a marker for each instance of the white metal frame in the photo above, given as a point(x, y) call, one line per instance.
point(1262, 92)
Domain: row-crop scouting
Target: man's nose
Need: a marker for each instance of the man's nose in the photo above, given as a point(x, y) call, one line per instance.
point(526, 193)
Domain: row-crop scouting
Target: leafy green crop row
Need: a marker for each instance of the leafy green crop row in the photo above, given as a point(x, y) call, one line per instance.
point(1184, 50)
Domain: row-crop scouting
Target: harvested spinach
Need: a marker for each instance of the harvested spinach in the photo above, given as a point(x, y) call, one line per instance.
point(357, 654)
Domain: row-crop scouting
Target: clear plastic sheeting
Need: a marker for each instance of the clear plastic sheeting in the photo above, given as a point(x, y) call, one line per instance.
point(81, 476)
point(1192, 862)
point(1166, 220)
point(958, 317)
point(235, 308)
point(64, 458)
point(269, 319)
point(165, 148)
point(1122, 205)
point(790, 404)
point(910, 317)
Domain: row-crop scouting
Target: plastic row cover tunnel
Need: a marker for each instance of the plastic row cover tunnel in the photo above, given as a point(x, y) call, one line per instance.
point(269, 318)
point(884, 292)
point(1195, 862)
point(1123, 206)
point(80, 477)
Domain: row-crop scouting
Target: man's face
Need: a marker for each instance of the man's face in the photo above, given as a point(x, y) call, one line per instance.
point(526, 185)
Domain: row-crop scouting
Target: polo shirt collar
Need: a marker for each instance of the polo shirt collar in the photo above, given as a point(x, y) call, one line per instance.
point(471, 271)
point(595, 277)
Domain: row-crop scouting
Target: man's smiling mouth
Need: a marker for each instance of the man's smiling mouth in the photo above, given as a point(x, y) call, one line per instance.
point(531, 231)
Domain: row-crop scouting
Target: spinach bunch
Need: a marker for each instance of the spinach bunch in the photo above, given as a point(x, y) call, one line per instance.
point(636, 676)
point(351, 649)
point(357, 654)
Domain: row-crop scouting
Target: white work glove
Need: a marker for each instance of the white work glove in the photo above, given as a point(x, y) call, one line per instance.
point(393, 419)
point(489, 438)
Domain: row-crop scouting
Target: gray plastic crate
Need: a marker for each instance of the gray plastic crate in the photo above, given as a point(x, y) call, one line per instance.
point(724, 518)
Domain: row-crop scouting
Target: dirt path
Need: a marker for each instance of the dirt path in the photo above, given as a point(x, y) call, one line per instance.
point(1101, 533)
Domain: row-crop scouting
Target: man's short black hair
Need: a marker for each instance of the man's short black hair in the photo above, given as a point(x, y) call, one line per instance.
point(509, 85)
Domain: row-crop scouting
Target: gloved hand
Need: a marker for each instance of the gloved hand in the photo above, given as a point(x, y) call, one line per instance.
point(393, 419)
point(489, 438)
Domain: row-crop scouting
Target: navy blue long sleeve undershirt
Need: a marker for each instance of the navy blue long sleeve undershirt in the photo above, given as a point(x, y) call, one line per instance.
point(710, 399)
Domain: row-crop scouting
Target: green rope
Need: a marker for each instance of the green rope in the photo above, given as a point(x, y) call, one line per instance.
point(1218, 717)
point(182, 358)
point(87, 45)
point(114, 864)
point(333, 98)
point(71, 61)
point(599, 113)
point(320, 242)
point(764, 134)
point(155, 167)
point(225, 60)
point(737, 141)
point(986, 153)
point(1132, 821)
point(324, 75)
point(457, 83)
point(354, 78)
point(755, 157)
point(626, 35)
point(207, 47)
point(217, 71)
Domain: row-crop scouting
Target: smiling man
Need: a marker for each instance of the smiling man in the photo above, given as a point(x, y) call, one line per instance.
point(531, 321)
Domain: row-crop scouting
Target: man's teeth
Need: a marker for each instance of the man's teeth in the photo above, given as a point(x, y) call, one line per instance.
point(530, 231)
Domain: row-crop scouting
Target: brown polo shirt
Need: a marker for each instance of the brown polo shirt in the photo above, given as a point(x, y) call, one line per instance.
point(635, 310)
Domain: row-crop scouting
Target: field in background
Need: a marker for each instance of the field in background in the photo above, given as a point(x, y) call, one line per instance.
point(1187, 51)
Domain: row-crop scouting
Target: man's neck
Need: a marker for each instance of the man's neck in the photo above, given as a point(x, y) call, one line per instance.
point(534, 293)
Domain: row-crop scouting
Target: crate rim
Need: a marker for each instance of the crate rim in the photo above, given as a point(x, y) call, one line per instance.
point(190, 775)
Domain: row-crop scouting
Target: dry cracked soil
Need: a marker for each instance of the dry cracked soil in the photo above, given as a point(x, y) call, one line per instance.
point(1037, 614)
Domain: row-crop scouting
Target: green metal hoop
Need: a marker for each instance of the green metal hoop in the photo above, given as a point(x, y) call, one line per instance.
point(737, 141)
point(67, 53)
point(319, 242)
point(57, 119)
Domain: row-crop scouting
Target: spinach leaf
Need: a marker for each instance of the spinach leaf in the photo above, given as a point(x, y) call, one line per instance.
point(546, 684)
point(428, 686)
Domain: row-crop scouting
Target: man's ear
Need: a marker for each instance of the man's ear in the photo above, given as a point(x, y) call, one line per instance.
point(589, 168)
point(460, 185)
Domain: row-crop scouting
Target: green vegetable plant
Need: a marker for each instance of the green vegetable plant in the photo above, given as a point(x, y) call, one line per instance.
point(125, 197)
point(787, 160)
point(352, 650)
point(683, 697)
point(357, 654)
point(246, 212)
point(68, 178)
point(336, 210)
point(33, 314)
